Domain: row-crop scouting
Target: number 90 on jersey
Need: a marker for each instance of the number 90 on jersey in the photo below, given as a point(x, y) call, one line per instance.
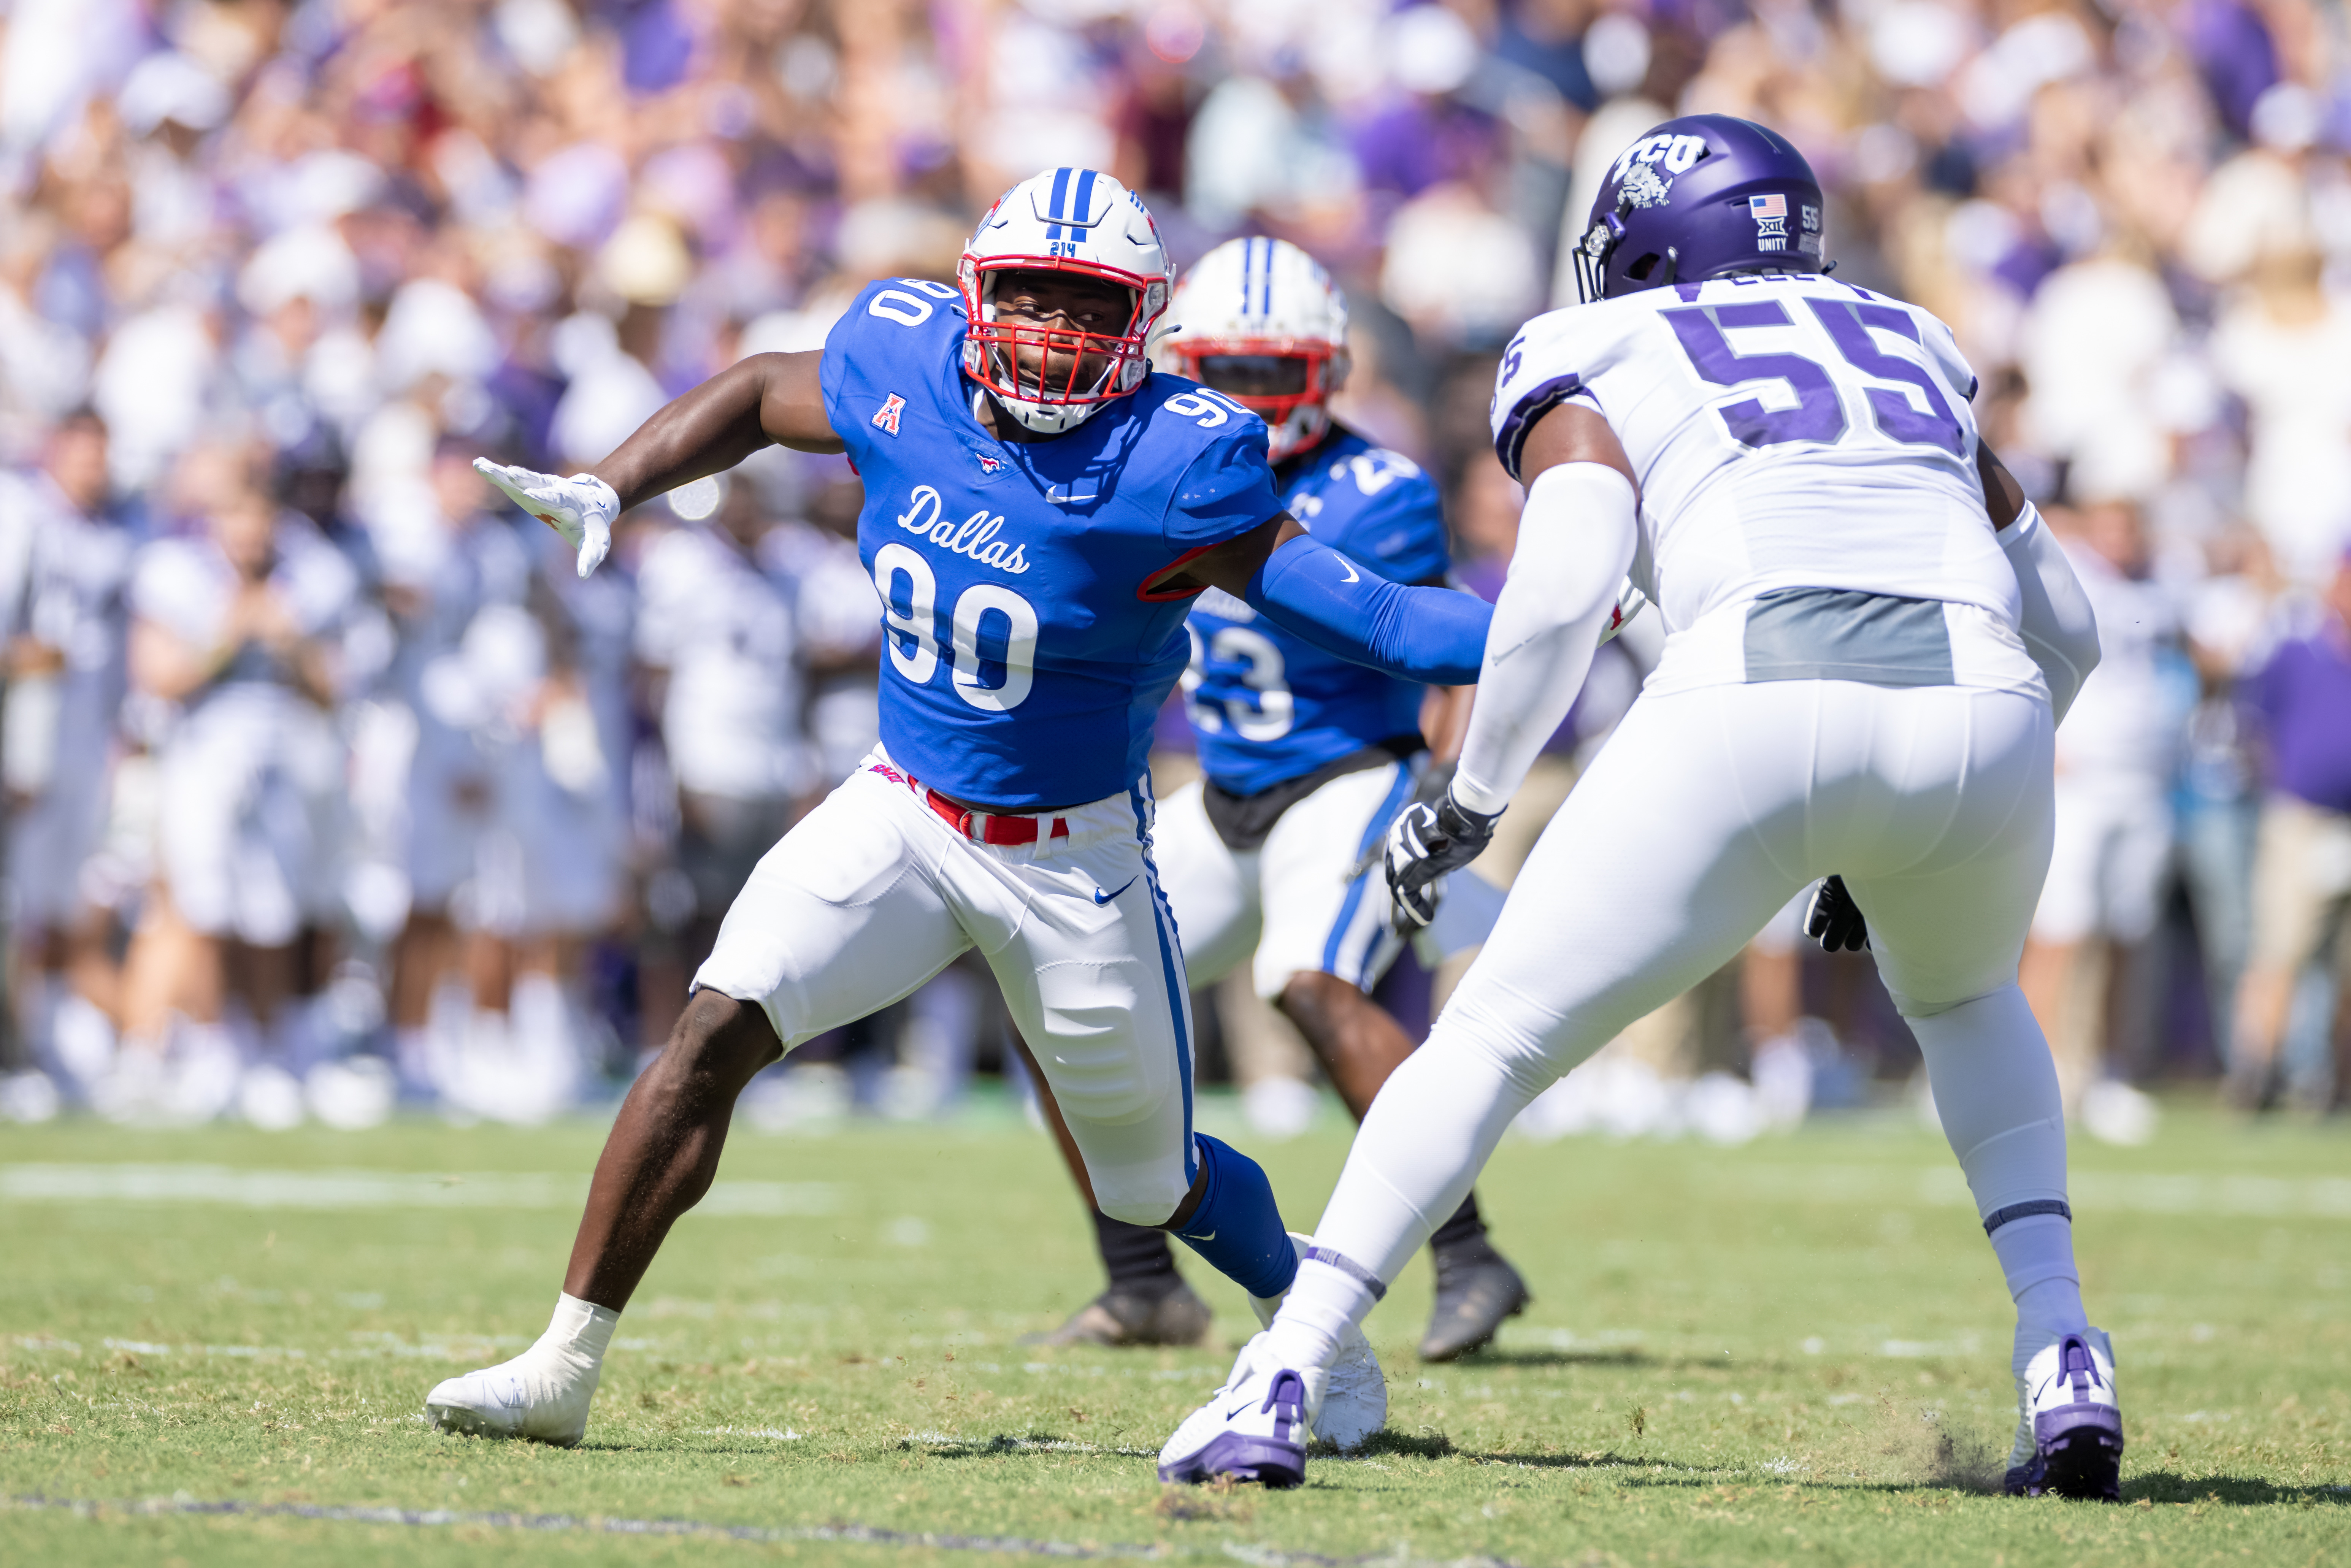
point(991, 648)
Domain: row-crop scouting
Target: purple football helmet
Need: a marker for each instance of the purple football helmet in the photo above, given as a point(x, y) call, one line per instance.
point(1696, 198)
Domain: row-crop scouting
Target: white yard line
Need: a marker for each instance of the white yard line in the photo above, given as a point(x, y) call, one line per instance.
point(228, 1187)
point(847, 1534)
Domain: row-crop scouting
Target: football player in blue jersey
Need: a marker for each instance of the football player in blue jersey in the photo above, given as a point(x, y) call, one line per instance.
point(1269, 858)
point(1041, 508)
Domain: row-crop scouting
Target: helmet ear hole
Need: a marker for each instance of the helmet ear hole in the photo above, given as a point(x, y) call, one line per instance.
point(1639, 271)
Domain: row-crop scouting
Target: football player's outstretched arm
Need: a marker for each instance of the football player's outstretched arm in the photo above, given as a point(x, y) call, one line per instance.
point(1416, 633)
point(764, 400)
point(1576, 538)
point(2059, 629)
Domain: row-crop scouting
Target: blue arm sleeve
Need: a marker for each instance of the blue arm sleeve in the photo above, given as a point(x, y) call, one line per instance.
point(1432, 634)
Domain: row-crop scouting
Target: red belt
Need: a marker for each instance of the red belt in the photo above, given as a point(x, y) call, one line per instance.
point(984, 826)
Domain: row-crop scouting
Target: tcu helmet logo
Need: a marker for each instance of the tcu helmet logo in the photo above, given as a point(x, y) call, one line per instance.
point(1645, 170)
point(888, 418)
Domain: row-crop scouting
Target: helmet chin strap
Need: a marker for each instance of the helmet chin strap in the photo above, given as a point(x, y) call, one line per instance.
point(1673, 266)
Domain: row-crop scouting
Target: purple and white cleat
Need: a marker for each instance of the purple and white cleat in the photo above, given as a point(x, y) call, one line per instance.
point(2077, 1424)
point(1254, 1428)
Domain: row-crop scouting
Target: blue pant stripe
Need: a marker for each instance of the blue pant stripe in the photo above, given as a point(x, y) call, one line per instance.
point(1171, 966)
point(1397, 794)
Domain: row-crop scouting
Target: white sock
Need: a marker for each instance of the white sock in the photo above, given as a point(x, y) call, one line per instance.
point(577, 1336)
point(1323, 1306)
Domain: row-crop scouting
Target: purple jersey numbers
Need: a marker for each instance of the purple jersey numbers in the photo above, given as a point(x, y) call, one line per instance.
point(1819, 414)
point(1848, 323)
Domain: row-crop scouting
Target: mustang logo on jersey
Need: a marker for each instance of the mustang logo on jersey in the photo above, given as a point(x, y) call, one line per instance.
point(888, 418)
point(974, 536)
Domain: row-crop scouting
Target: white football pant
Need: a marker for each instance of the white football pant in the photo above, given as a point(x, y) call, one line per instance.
point(872, 893)
point(1702, 816)
point(1298, 903)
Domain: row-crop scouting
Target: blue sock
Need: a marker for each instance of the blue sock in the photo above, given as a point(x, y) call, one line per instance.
point(1238, 1228)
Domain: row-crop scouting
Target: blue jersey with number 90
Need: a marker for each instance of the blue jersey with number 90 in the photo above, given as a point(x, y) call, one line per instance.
point(1024, 657)
point(1270, 706)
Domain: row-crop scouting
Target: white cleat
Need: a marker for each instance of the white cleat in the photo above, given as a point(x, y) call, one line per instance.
point(1254, 1428)
point(1356, 1404)
point(581, 509)
point(536, 1395)
point(2073, 1422)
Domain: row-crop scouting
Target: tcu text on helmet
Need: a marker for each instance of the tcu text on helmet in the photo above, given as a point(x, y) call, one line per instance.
point(1676, 154)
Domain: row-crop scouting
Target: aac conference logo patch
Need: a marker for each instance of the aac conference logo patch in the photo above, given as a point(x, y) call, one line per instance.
point(888, 418)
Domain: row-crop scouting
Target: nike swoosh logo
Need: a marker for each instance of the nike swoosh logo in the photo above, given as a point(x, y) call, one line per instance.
point(1352, 576)
point(1101, 898)
point(1211, 1235)
point(1239, 1408)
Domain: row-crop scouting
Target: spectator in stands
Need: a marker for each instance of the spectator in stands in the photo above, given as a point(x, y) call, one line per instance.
point(2116, 757)
point(65, 559)
point(236, 632)
point(2302, 877)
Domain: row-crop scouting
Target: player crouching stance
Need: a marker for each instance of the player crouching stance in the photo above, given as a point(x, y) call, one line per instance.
point(1870, 637)
point(1271, 858)
point(1040, 507)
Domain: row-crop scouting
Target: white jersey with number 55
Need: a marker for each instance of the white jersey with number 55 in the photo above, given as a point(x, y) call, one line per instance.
point(1787, 433)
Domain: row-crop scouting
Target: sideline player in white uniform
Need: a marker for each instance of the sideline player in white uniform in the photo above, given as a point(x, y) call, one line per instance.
point(1041, 506)
point(1868, 626)
point(1270, 859)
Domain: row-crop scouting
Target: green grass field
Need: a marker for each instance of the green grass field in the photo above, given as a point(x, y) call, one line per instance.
point(215, 1346)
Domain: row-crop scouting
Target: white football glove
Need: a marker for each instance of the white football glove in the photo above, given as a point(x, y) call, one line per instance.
point(1425, 843)
point(580, 508)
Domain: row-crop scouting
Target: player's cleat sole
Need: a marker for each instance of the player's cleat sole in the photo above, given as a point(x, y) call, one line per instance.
point(1252, 1430)
point(1127, 1316)
point(2077, 1427)
point(1477, 1292)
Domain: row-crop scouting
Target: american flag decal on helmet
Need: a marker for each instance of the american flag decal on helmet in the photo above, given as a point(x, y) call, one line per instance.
point(888, 418)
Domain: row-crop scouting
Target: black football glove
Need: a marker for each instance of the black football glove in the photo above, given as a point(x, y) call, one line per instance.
point(1425, 842)
point(1833, 920)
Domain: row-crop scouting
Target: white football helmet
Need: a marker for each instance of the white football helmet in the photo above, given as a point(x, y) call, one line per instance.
point(1263, 300)
point(1065, 220)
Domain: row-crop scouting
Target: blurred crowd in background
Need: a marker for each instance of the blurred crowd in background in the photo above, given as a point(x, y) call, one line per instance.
point(329, 784)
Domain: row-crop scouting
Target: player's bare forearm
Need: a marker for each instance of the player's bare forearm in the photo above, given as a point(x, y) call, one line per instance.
point(1445, 719)
point(2003, 496)
point(764, 400)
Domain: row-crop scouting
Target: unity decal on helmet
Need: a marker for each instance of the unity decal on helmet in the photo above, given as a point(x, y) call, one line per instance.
point(1771, 214)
